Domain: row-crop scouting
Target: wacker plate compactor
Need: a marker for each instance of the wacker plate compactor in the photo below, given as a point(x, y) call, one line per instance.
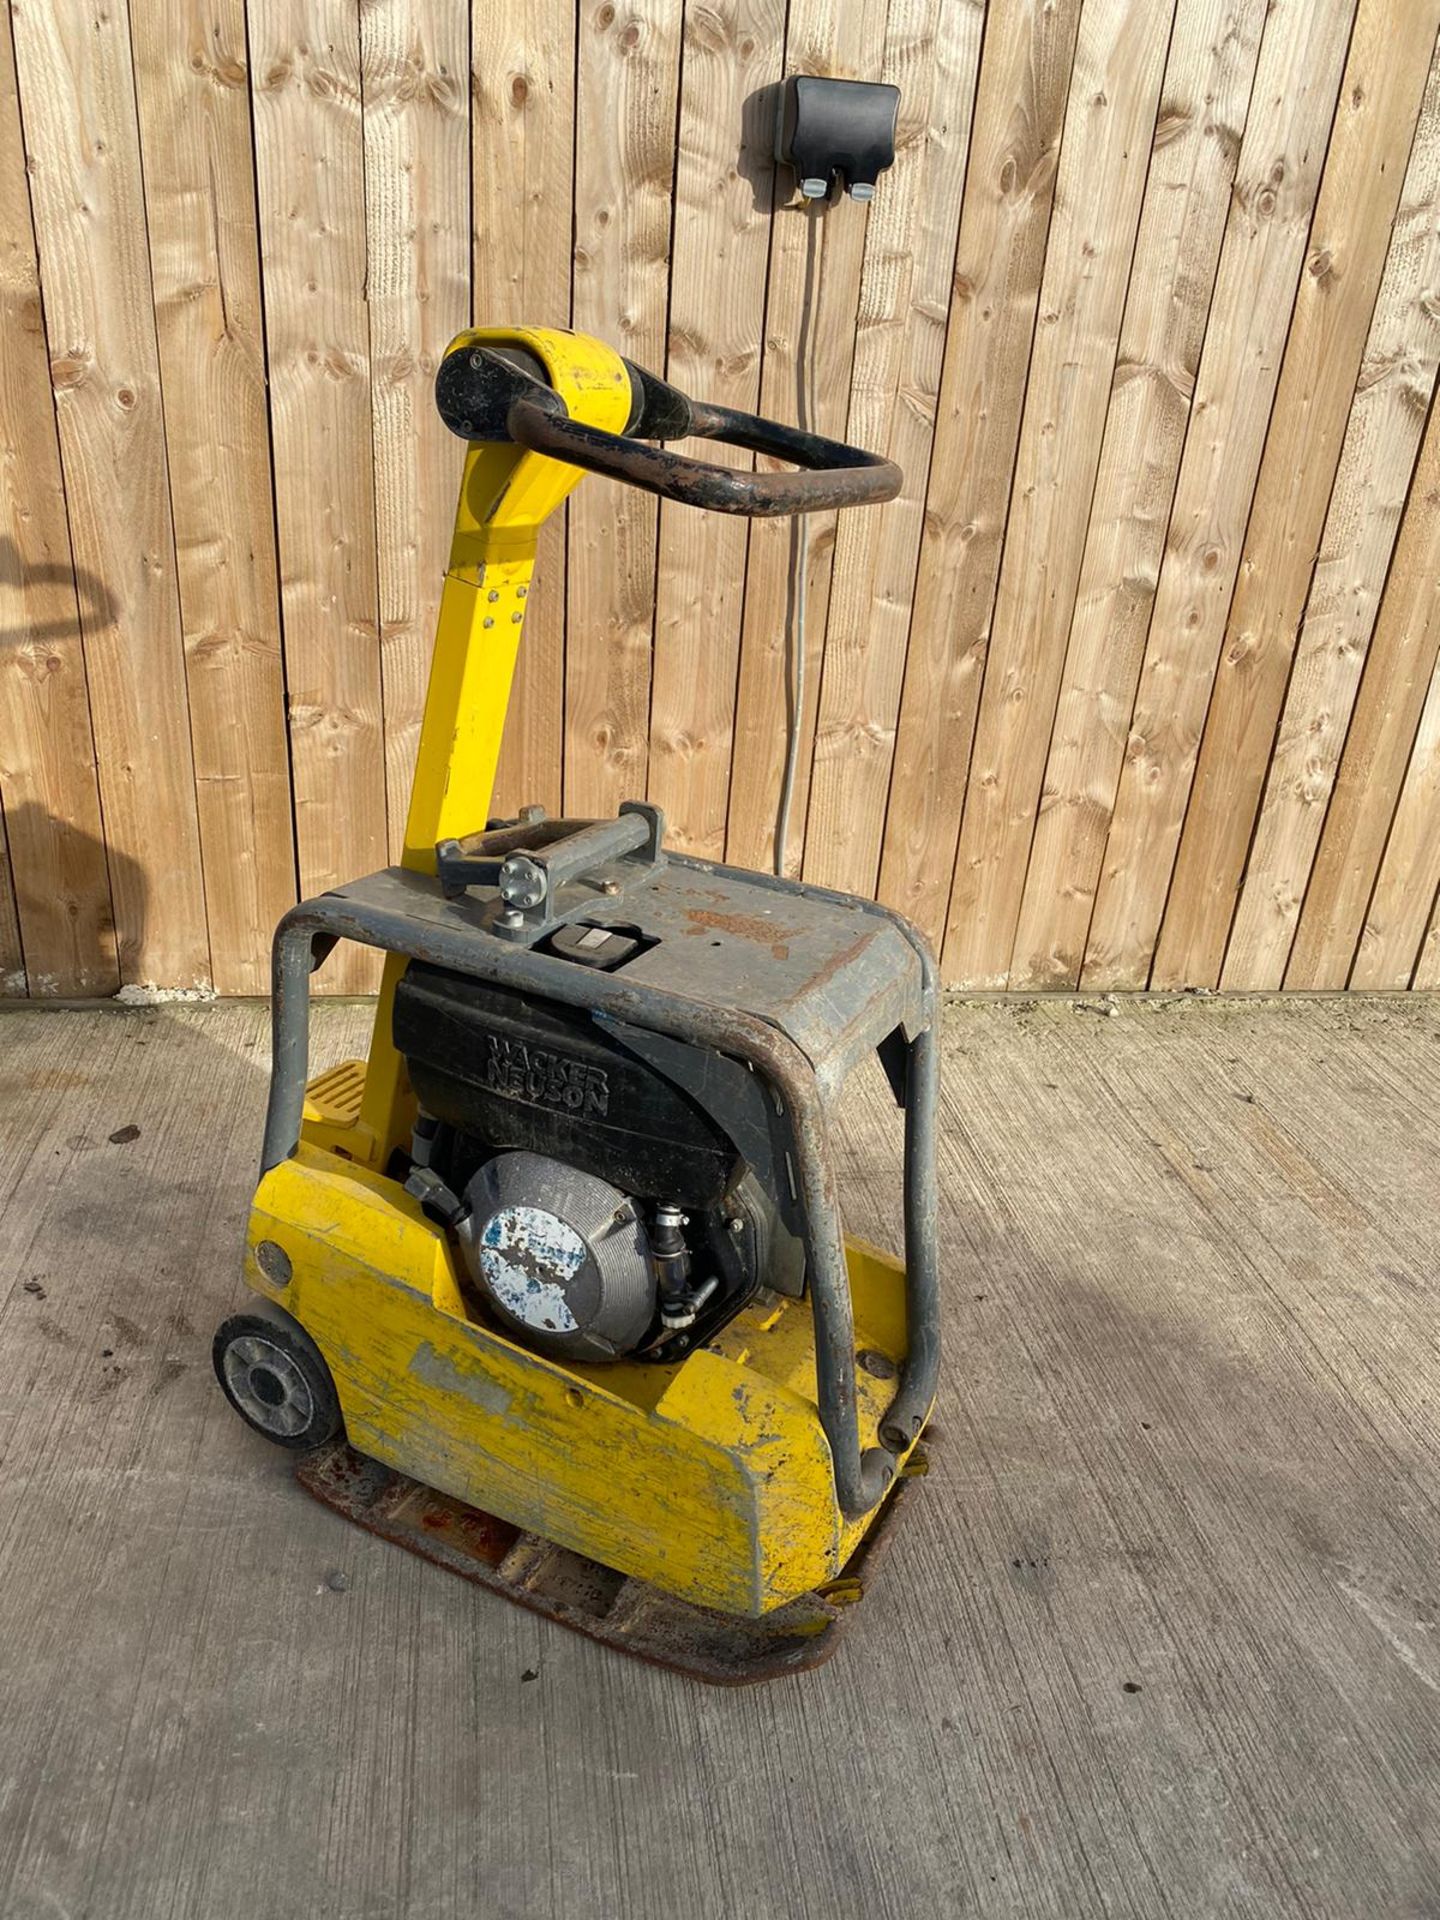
point(553, 1287)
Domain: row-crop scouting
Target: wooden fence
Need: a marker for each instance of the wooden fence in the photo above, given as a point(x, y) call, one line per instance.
point(1136, 683)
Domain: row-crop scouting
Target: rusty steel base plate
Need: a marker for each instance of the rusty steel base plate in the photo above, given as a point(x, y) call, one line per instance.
point(629, 1615)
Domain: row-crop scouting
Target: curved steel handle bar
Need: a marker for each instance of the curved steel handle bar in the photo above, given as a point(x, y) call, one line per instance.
point(832, 473)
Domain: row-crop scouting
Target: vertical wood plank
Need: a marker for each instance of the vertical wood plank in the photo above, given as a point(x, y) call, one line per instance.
point(1372, 769)
point(1359, 191)
point(83, 152)
point(305, 76)
point(195, 137)
point(1409, 877)
point(1204, 103)
point(1020, 106)
point(47, 754)
point(932, 54)
point(1382, 438)
point(415, 71)
point(724, 183)
point(629, 79)
point(1109, 128)
point(816, 258)
point(523, 145)
point(1292, 103)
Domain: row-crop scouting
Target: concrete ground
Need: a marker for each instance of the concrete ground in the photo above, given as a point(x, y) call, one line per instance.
point(1159, 1639)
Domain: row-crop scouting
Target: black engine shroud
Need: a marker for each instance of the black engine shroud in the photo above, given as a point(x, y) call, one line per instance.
point(526, 1074)
point(501, 1073)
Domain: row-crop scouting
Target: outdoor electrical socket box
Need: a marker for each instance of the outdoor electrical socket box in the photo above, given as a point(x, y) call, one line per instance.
point(837, 130)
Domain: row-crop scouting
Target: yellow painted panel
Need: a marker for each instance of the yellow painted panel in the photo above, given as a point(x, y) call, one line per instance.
point(712, 1479)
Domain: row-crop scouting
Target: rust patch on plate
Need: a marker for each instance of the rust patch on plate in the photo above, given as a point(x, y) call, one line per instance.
point(753, 927)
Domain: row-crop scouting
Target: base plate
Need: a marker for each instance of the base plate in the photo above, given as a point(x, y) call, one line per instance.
point(629, 1615)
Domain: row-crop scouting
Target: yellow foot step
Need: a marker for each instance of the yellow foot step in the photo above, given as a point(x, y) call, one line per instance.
point(332, 1112)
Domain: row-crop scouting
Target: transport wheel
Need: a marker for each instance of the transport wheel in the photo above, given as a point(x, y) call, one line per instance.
point(275, 1377)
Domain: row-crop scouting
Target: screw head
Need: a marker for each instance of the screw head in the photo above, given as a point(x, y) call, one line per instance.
point(487, 621)
point(522, 883)
point(493, 595)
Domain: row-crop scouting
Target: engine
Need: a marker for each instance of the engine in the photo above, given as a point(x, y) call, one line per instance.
point(601, 1206)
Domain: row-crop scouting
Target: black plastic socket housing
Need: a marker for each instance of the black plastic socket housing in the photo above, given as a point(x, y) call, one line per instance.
point(837, 130)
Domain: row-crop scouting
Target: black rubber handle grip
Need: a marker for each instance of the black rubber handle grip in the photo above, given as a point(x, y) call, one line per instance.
point(832, 473)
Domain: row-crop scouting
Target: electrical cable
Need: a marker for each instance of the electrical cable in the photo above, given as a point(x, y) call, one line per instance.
point(797, 593)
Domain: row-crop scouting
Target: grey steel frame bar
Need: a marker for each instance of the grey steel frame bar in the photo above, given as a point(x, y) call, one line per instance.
point(861, 1478)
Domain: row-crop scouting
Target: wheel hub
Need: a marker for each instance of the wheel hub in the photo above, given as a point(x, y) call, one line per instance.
point(268, 1386)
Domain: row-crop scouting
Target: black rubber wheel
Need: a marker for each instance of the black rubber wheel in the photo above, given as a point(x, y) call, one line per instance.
point(275, 1377)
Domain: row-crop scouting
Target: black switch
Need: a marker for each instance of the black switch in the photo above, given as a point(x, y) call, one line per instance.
point(837, 130)
point(592, 946)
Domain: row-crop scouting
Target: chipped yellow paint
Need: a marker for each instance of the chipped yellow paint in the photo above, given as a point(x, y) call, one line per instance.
point(711, 1479)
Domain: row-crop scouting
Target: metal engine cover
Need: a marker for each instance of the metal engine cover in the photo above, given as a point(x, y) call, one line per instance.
point(560, 1256)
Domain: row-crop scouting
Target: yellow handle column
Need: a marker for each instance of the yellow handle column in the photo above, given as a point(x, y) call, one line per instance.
point(506, 495)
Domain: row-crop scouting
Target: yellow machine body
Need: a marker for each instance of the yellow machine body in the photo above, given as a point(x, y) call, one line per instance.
point(711, 1478)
